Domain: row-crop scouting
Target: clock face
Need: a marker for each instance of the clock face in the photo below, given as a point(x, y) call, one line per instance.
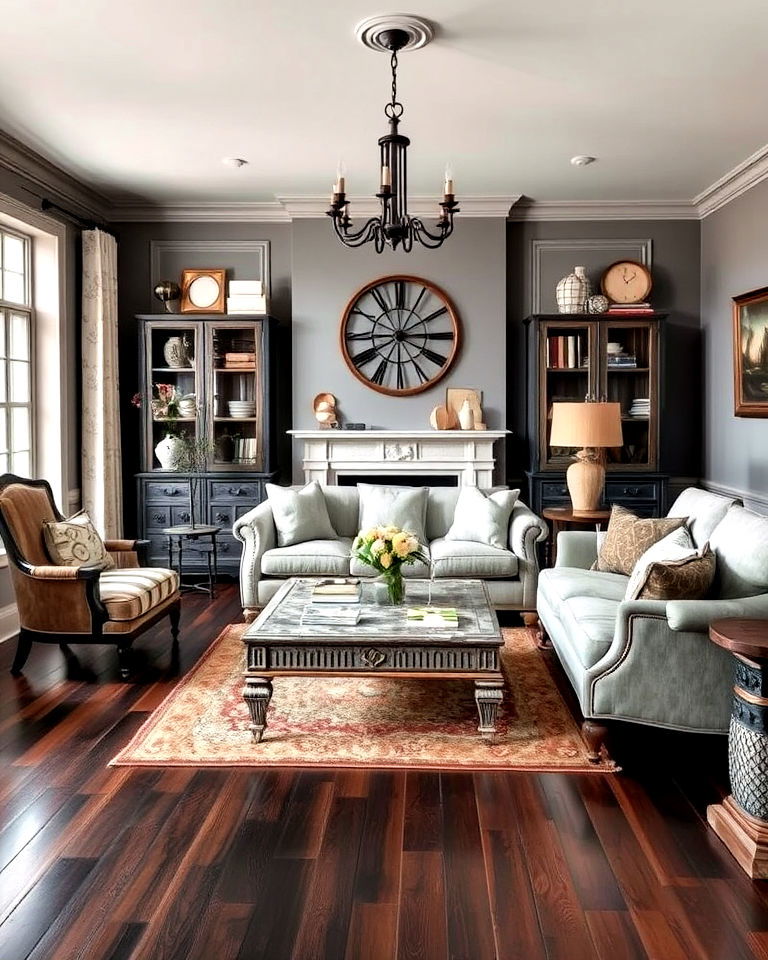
point(626, 282)
point(400, 335)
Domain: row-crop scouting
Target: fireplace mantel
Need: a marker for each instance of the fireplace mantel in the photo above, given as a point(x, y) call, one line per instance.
point(464, 454)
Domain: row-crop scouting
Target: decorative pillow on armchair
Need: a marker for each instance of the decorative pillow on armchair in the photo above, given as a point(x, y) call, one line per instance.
point(300, 515)
point(75, 542)
point(629, 536)
point(672, 569)
point(483, 519)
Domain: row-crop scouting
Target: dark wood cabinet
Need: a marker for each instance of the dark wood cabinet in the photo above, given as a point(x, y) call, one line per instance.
point(223, 366)
point(576, 357)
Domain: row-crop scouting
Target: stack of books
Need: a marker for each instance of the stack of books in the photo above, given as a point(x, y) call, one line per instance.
point(336, 590)
point(246, 449)
point(622, 360)
point(335, 601)
point(564, 353)
point(630, 308)
point(335, 615)
point(246, 296)
point(434, 616)
point(239, 361)
point(641, 407)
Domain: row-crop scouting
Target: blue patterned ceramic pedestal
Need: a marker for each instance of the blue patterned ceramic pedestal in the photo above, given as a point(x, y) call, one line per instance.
point(383, 643)
point(741, 820)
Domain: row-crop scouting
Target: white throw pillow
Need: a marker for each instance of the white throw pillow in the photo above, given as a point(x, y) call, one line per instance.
point(404, 507)
point(483, 519)
point(300, 515)
point(677, 545)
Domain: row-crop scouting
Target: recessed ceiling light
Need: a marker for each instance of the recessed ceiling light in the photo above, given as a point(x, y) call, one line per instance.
point(582, 160)
point(234, 162)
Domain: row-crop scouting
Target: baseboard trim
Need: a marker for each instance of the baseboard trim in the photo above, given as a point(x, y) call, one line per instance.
point(9, 621)
point(761, 499)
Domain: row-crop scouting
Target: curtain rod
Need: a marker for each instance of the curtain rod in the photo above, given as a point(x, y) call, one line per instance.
point(84, 222)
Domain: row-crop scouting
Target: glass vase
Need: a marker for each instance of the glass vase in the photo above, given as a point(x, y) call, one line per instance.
point(389, 588)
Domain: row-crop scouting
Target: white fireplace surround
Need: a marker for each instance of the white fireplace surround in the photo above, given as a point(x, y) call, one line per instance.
point(464, 454)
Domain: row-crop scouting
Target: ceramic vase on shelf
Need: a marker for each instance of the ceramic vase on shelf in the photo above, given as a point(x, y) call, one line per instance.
point(176, 352)
point(466, 416)
point(389, 588)
point(168, 452)
point(572, 292)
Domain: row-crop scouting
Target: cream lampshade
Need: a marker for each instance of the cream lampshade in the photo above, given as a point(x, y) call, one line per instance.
point(589, 426)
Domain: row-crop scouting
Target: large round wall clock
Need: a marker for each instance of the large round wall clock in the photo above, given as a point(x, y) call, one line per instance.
point(399, 335)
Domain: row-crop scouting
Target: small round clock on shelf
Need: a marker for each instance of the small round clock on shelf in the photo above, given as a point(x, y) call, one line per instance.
point(626, 281)
point(399, 335)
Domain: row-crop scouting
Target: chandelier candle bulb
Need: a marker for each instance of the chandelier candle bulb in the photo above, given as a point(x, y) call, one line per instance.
point(386, 177)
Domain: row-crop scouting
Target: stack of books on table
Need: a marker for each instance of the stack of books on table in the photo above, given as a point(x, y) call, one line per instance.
point(246, 296)
point(434, 616)
point(336, 615)
point(616, 309)
point(334, 601)
point(641, 408)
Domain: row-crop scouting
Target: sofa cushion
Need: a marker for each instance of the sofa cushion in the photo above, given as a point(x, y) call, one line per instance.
point(466, 558)
point(677, 545)
point(740, 543)
point(686, 578)
point(590, 622)
point(483, 519)
point(403, 507)
point(409, 570)
point(629, 536)
point(300, 515)
point(561, 583)
point(129, 593)
point(703, 509)
point(313, 558)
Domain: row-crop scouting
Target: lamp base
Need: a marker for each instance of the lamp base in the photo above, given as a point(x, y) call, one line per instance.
point(585, 479)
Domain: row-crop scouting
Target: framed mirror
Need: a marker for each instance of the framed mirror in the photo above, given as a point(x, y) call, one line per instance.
point(203, 290)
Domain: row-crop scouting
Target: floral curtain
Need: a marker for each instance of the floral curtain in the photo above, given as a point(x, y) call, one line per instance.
point(101, 463)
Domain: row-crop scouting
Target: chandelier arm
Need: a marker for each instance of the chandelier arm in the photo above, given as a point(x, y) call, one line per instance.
point(428, 239)
point(358, 237)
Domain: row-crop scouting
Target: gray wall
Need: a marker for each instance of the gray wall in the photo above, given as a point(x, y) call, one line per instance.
point(734, 260)
point(470, 267)
point(675, 268)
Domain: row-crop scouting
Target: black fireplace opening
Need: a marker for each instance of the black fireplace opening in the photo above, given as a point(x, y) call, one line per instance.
point(404, 480)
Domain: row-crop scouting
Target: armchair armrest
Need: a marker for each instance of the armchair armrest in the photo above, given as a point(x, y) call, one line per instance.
point(52, 572)
point(698, 614)
point(256, 530)
point(128, 553)
point(60, 600)
point(576, 548)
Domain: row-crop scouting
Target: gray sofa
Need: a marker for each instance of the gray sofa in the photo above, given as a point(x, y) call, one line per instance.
point(651, 661)
point(511, 574)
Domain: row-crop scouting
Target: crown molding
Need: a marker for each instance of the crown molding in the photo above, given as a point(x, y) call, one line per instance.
point(528, 209)
point(734, 183)
point(23, 161)
point(307, 207)
point(200, 211)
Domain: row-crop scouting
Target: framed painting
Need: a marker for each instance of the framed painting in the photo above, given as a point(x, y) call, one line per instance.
point(750, 353)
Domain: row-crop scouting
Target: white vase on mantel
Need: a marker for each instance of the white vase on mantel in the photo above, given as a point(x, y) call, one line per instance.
point(168, 452)
point(466, 416)
point(572, 292)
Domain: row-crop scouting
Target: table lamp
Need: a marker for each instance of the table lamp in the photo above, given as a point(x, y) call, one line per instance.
point(589, 426)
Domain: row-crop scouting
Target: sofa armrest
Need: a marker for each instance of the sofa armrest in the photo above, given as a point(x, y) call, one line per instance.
point(525, 530)
point(576, 548)
point(256, 531)
point(698, 614)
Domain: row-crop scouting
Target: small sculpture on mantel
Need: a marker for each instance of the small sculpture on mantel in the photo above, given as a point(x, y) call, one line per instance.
point(324, 408)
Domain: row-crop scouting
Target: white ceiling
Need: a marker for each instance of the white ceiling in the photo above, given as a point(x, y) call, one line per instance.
point(141, 100)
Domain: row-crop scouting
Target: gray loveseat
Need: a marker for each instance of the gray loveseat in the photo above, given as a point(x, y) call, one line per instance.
point(651, 661)
point(511, 574)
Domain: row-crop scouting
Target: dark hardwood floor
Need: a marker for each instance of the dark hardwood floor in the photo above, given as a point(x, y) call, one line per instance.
point(99, 862)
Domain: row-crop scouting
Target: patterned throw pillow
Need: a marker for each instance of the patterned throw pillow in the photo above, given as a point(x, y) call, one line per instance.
point(75, 542)
point(688, 578)
point(629, 536)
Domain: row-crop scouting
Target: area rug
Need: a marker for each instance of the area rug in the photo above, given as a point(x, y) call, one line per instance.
point(362, 721)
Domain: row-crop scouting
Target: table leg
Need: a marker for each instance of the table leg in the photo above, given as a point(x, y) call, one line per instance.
point(214, 538)
point(170, 553)
point(257, 693)
point(488, 696)
point(210, 575)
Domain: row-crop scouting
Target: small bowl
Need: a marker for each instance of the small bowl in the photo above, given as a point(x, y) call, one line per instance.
point(615, 348)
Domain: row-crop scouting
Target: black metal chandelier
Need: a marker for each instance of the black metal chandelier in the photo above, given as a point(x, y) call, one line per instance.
point(394, 226)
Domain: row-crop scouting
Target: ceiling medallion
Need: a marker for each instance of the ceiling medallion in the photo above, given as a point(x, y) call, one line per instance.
point(393, 227)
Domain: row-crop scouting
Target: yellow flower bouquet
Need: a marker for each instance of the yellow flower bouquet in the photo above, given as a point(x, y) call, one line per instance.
point(387, 549)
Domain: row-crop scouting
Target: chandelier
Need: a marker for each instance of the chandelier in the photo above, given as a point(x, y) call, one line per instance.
point(393, 226)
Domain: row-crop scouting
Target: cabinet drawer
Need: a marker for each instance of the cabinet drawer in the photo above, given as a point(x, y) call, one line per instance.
point(158, 516)
point(225, 514)
point(616, 490)
point(165, 490)
point(554, 490)
point(235, 490)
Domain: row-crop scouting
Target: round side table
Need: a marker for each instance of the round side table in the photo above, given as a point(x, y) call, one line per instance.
point(563, 518)
point(176, 538)
point(741, 820)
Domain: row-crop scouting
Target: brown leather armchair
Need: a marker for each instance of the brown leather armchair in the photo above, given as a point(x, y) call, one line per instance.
point(87, 604)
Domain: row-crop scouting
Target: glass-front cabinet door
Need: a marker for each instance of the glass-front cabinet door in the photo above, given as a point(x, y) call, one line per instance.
point(568, 349)
point(236, 395)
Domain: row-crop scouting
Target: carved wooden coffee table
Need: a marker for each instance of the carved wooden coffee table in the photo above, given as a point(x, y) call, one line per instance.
point(383, 643)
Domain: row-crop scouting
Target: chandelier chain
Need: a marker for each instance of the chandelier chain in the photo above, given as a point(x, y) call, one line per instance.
point(394, 109)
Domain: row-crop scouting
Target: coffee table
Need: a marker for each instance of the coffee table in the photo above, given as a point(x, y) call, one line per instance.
point(383, 643)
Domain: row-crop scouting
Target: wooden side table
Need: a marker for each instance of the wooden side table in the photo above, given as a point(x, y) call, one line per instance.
point(177, 536)
point(563, 518)
point(741, 820)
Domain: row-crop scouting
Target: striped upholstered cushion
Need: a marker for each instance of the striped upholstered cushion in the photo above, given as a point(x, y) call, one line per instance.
point(130, 593)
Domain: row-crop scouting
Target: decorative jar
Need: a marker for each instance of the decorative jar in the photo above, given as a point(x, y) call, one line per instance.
point(572, 292)
point(169, 451)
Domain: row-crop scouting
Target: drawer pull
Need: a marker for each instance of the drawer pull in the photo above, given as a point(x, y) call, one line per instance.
point(158, 517)
point(236, 492)
point(171, 491)
point(221, 518)
point(563, 491)
point(631, 491)
point(184, 517)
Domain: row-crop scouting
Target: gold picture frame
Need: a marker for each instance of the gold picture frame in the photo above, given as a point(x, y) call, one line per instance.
point(750, 353)
point(203, 290)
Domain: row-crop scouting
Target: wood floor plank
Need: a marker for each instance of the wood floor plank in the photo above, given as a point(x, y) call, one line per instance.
point(614, 935)
point(377, 877)
point(422, 930)
point(303, 825)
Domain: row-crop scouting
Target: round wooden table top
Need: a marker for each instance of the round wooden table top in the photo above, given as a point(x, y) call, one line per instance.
point(746, 637)
point(186, 530)
point(566, 515)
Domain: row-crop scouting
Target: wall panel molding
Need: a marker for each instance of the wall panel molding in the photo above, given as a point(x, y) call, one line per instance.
point(756, 501)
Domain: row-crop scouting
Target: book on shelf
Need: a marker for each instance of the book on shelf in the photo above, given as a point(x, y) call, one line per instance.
point(621, 360)
point(239, 358)
point(246, 288)
point(245, 448)
point(245, 303)
point(564, 352)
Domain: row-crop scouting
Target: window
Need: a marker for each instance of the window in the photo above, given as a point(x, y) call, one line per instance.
point(16, 438)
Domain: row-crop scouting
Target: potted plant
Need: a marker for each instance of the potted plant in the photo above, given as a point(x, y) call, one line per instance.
point(387, 549)
point(193, 456)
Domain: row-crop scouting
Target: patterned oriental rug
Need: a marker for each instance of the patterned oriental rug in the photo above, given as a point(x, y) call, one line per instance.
point(362, 721)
